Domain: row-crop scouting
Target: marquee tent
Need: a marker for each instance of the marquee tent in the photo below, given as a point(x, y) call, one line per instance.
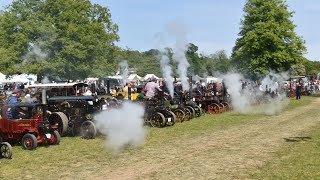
point(146, 77)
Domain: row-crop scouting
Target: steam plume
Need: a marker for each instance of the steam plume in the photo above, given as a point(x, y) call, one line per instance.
point(166, 71)
point(35, 52)
point(268, 93)
point(177, 29)
point(124, 70)
point(45, 80)
point(123, 126)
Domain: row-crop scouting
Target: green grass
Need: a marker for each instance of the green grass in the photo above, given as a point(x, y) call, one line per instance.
point(300, 159)
point(74, 154)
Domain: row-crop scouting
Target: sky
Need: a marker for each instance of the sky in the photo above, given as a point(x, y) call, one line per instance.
point(212, 25)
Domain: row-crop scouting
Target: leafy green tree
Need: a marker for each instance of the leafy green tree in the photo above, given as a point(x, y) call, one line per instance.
point(143, 62)
point(297, 70)
point(194, 60)
point(267, 38)
point(312, 67)
point(62, 38)
point(221, 62)
point(216, 63)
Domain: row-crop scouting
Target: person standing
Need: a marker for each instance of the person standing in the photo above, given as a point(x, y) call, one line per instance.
point(127, 91)
point(151, 88)
point(298, 90)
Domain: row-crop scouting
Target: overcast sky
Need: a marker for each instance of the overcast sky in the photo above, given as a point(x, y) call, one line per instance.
point(212, 25)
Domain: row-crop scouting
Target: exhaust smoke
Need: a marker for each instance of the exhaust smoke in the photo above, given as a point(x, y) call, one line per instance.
point(178, 31)
point(166, 71)
point(123, 126)
point(268, 93)
point(124, 71)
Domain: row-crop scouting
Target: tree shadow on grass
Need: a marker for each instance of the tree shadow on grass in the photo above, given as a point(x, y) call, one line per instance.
point(297, 139)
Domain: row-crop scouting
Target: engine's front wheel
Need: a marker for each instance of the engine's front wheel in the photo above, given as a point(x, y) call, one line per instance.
point(29, 141)
point(5, 150)
point(88, 130)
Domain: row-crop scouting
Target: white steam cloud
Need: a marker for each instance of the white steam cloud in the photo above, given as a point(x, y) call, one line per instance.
point(123, 126)
point(35, 52)
point(166, 71)
point(177, 29)
point(45, 80)
point(124, 70)
point(268, 93)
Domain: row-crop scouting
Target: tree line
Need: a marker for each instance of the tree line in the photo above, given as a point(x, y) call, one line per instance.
point(66, 39)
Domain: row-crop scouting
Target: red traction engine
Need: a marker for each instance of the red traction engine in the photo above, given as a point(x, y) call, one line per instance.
point(209, 103)
point(27, 124)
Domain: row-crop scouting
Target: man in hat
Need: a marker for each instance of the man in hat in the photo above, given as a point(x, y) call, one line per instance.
point(151, 88)
point(14, 98)
point(14, 112)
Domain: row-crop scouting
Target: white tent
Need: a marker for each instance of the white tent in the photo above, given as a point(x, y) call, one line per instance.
point(146, 77)
point(134, 77)
point(2, 77)
point(22, 78)
point(18, 78)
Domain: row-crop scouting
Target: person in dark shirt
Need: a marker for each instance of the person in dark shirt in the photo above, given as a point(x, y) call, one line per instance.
point(298, 91)
point(14, 112)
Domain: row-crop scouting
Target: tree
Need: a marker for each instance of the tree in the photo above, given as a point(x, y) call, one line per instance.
point(312, 67)
point(143, 62)
point(62, 38)
point(267, 39)
point(297, 70)
point(194, 59)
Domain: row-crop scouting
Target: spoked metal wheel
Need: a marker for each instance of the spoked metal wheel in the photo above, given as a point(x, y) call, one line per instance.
point(213, 108)
point(221, 107)
point(198, 110)
point(226, 106)
point(171, 119)
point(158, 120)
point(187, 114)
point(193, 112)
point(5, 150)
point(179, 115)
point(88, 130)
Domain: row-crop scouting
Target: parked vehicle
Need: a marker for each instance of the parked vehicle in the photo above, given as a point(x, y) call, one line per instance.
point(72, 115)
point(71, 106)
point(28, 129)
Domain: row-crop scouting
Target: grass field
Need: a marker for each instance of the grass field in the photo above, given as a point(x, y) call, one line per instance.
point(223, 146)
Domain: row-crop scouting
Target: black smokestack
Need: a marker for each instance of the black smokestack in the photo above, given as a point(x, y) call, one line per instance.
point(108, 86)
point(129, 91)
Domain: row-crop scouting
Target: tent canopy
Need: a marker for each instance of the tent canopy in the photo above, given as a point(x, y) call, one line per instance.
point(135, 77)
point(150, 76)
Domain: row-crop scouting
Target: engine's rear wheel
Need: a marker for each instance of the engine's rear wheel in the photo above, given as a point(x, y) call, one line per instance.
point(158, 120)
point(59, 122)
point(188, 114)
point(5, 150)
point(198, 110)
point(179, 115)
point(226, 106)
point(172, 120)
point(193, 112)
point(213, 108)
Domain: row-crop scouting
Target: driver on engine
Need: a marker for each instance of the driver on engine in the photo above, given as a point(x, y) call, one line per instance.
point(151, 88)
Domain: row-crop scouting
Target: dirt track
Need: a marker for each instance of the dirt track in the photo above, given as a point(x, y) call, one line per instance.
point(224, 154)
